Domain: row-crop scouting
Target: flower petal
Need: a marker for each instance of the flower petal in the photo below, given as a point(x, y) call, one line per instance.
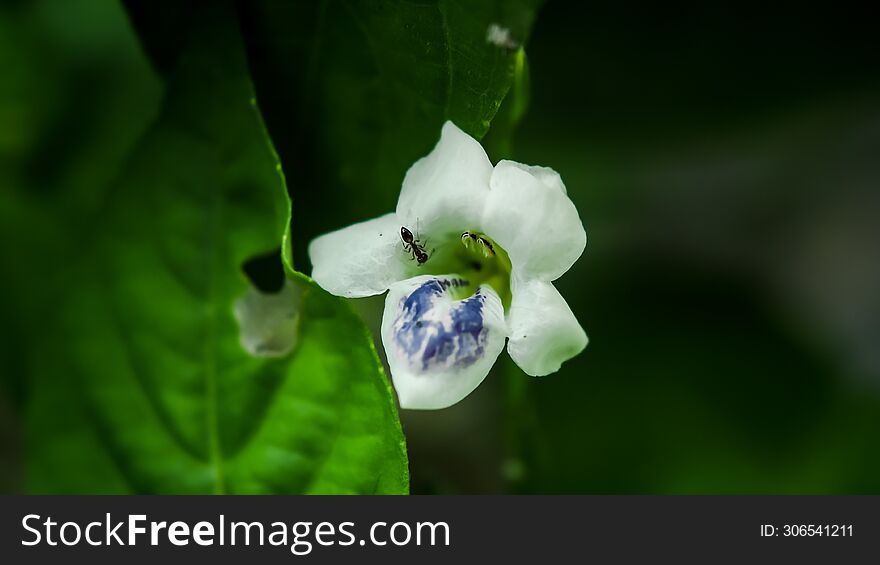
point(362, 259)
point(529, 214)
point(544, 174)
point(439, 348)
point(445, 190)
point(543, 331)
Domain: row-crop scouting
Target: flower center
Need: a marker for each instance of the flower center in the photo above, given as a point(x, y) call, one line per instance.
point(480, 260)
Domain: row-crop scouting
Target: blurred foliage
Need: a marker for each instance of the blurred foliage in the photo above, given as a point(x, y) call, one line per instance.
point(724, 160)
point(722, 157)
point(75, 96)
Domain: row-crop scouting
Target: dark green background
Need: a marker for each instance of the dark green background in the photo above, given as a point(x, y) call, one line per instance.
point(724, 160)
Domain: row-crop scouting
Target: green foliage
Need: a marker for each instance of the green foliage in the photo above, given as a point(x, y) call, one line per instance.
point(148, 388)
point(355, 91)
point(139, 181)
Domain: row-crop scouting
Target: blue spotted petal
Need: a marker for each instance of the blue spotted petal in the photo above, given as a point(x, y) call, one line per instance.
point(440, 348)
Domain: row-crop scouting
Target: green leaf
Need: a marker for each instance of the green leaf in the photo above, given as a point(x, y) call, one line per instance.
point(172, 400)
point(370, 83)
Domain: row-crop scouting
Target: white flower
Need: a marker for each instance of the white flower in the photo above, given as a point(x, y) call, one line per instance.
point(488, 242)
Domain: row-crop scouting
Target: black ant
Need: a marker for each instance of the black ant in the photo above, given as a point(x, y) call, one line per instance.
point(470, 238)
point(414, 246)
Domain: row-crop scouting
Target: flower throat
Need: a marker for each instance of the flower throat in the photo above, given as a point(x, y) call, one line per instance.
point(482, 261)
